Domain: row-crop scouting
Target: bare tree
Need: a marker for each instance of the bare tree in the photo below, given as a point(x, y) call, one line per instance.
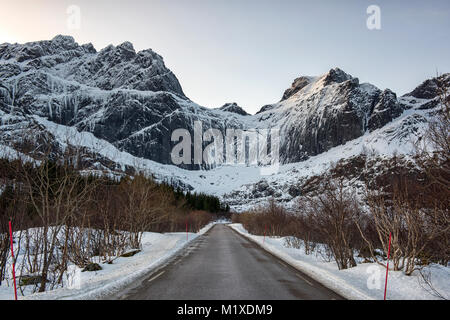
point(56, 192)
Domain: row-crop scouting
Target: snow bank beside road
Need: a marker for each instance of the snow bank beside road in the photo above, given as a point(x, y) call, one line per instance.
point(157, 249)
point(363, 282)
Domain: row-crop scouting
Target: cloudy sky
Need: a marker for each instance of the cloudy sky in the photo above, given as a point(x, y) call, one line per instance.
point(250, 51)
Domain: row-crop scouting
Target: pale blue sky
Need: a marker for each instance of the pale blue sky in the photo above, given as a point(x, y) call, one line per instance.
point(249, 51)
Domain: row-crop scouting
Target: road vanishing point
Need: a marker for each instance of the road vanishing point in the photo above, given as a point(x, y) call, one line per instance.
point(224, 265)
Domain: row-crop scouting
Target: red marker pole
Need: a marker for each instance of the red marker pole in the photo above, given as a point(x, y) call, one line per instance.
point(265, 227)
point(187, 235)
point(387, 267)
point(13, 264)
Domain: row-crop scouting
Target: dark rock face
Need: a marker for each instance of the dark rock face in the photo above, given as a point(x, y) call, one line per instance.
point(332, 112)
point(234, 108)
point(386, 109)
point(297, 85)
point(266, 108)
point(427, 90)
point(294, 191)
point(431, 88)
point(336, 75)
point(263, 189)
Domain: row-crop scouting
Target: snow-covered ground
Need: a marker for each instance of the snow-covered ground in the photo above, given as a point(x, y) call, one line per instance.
point(157, 249)
point(363, 282)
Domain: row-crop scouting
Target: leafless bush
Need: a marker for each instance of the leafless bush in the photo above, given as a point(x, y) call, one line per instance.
point(271, 220)
point(426, 282)
point(144, 205)
point(293, 242)
point(415, 211)
point(331, 213)
point(413, 224)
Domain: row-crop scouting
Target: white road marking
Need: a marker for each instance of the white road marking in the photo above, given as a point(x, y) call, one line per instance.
point(157, 276)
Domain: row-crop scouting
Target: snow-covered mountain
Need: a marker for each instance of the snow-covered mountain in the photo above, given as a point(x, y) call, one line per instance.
point(234, 108)
point(124, 105)
point(319, 113)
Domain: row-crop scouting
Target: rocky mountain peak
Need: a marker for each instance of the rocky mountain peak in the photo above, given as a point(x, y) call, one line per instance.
point(333, 76)
point(336, 75)
point(234, 108)
point(34, 50)
point(266, 107)
point(126, 50)
point(430, 88)
point(66, 42)
point(115, 55)
point(113, 67)
point(128, 46)
point(89, 48)
point(296, 86)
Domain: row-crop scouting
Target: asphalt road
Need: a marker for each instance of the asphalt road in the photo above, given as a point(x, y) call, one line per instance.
point(223, 265)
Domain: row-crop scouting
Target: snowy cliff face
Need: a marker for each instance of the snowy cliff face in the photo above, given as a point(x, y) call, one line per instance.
point(63, 64)
point(391, 134)
point(129, 99)
point(319, 113)
point(131, 102)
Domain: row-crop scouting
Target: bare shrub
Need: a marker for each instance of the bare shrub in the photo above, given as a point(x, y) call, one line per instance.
point(331, 213)
point(293, 242)
point(413, 226)
point(426, 282)
point(144, 204)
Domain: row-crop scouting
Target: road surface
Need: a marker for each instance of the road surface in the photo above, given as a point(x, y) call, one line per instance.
point(223, 265)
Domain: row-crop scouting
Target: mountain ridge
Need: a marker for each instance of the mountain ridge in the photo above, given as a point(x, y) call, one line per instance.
point(132, 101)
